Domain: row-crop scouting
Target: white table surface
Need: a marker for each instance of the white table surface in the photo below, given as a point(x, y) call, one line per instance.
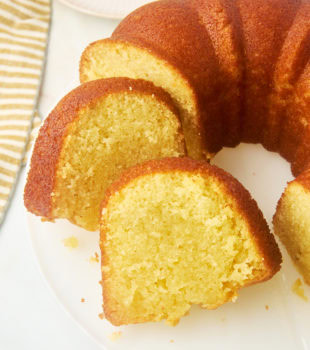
point(30, 316)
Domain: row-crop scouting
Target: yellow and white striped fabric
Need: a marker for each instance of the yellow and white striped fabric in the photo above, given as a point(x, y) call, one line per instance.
point(24, 26)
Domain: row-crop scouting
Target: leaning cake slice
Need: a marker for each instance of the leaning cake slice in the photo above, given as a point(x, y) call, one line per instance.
point(177, 232)
point(93, 134)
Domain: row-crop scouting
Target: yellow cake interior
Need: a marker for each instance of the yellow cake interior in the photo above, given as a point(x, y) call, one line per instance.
point(170, 240)
point(118, 131)
point(291, 224)
point(126, 60)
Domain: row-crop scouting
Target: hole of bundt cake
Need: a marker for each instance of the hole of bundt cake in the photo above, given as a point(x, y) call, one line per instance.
point(179, 241)
point(112, 134)
point(265, 174)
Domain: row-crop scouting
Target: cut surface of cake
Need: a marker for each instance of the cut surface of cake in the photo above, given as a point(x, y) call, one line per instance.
point(91, 136)
point(176, 232)
point(292, 222)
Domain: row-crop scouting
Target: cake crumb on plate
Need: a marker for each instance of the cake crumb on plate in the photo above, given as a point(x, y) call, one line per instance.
point(94, 258)
point(298, 289)
point(71, 242)
point(115, 335)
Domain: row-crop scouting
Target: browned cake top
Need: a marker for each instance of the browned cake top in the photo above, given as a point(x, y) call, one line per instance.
point(265, 25)
point(301, 159)
point(294, 54)
point(222, 21)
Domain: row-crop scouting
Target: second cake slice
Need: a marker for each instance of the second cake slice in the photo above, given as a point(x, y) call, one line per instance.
point(94, 133)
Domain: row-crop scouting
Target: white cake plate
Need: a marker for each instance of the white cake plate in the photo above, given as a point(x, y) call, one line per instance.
point(266, 316)
point(105, 8)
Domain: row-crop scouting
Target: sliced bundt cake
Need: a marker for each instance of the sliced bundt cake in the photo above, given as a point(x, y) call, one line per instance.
point(176, 232)
point(292, 222)
point(92, 135)
point(236, 70)
point(166, 43)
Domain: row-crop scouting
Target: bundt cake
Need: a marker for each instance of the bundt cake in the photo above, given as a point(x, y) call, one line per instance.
point(237, 70)
point(176, 232)
point(93, 133)
point(292, 222)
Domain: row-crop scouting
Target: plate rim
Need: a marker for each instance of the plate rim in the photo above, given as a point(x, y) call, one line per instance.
point(75, 7)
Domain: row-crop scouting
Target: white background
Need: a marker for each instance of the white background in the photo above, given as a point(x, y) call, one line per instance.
point(30, 316)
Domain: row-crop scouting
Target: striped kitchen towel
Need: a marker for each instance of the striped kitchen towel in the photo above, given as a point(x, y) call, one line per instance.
point(24, 26)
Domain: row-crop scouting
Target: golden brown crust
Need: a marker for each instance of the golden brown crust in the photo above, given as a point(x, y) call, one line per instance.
point(187, 47)
point(265, 24)
point(42, 175)
point(279, 132)
point(294, 127)
point(222, 21)
point(246, 204)
point(300, 123)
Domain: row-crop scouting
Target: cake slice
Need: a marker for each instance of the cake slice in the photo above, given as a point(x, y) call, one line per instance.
point(291, 222)
point(176, 232)
point(166, 43)
point(92, 135)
